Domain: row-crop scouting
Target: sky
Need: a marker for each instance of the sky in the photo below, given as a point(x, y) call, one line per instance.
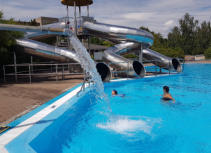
point(158, 15)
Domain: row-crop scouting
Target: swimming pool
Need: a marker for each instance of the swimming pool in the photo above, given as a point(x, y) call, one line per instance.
point(139, 122)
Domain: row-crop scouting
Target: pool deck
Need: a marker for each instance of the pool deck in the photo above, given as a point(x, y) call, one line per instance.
point(19, 99)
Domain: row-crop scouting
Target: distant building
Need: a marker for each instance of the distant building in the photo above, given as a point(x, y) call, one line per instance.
point(199, 57)
point(189, 58)
point(46, 20)
point(194, 58)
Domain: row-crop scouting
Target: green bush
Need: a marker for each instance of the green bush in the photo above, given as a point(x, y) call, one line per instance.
point(107, 43)
point(176, 52)
point(130, 56)
point(207, 53)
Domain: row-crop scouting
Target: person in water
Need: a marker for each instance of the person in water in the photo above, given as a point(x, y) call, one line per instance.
point(115, 93)
point(166, 95)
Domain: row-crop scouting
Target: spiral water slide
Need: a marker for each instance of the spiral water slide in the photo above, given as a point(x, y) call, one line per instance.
point(128, 39)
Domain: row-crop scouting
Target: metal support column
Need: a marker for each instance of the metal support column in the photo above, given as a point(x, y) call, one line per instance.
point(68, 65)
point(56, 72)
point(15, 64)
point(62, 72)
point(75, 19)
point(80, 20)
point(32, 69)
point(4, 71)
point(141, 54)
point(30, 77)
point(88, 10)
point(79, 8)
point(89, 46)
point(67, 19)
point(51, 68)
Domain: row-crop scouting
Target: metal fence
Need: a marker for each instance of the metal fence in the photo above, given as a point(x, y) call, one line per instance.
point(59, 71)
point(20, 71)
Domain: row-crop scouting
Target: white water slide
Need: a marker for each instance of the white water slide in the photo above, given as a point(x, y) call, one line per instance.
point(126, 39)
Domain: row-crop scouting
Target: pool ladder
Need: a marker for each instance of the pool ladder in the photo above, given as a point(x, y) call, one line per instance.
point(85, 81)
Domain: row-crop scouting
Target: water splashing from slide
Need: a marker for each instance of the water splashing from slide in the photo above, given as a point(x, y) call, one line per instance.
point(87, 64)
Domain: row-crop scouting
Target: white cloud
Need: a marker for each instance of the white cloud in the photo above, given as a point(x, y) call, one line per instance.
point(139, 16)
point(169, 23)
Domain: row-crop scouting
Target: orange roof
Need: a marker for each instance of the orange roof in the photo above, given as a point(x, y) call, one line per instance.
point(78, 2)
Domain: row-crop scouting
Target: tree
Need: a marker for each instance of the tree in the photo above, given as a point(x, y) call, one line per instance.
point(159, 41)
point(207, 52)
point(33, 23)
point(190, 36)
point(174, 38)
point(162, 46)
point(184, 36)
point(98, 41)
point(145, 28)
point(1, 14)
point(203, 36)
point(7, 41)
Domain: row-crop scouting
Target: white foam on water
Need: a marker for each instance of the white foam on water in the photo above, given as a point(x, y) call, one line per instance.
point(127, 126)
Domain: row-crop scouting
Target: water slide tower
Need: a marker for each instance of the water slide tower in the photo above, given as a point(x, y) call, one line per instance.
point(75, 4)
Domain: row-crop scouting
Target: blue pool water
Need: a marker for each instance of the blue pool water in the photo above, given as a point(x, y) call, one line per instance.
point(140, 122)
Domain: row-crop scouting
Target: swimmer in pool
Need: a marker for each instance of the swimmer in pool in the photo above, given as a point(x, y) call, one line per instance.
point(115, 93)
point(166, 95)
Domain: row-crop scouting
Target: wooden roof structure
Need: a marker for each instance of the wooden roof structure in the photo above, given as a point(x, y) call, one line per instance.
point(77, 2)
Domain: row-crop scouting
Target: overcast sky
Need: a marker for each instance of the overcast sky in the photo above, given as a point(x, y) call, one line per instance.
point(157, 15)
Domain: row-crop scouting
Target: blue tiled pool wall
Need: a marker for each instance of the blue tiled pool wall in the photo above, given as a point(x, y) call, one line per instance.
point(55, 134)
